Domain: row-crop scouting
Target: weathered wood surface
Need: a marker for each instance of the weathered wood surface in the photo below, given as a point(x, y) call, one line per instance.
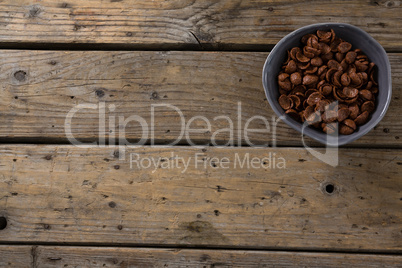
point(226, 24)
point(148, 257)
point(16, 256)
point(66, 194)
point(39, 88)
point(65, 256)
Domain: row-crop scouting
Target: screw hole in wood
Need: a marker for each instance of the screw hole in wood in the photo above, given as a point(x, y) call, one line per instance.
point(3, 223)
point(329, 188)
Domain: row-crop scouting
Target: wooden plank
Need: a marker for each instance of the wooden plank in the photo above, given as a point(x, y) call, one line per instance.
point(220, 24)
point(38, 85)
point(16, 256)
point(65, 194)
point(150, 257)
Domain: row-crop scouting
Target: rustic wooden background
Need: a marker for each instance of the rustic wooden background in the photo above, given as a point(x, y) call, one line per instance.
point(63, 206)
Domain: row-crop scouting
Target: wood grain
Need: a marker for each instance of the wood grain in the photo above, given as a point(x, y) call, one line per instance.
point(65, 194)
point(222, 24)
point(39, 88)
point(16, 256)
point(149, 257)
point(65, 256)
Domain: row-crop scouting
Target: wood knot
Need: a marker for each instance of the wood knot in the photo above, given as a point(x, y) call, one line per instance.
point(99, 93)
point(112, 204)
point(20, 75)
point(34, 11)
point(154, 95)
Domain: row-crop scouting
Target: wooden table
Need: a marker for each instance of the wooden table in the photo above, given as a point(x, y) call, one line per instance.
point(68, 206)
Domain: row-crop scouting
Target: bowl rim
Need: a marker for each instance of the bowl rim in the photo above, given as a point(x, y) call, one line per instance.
point(307, 131)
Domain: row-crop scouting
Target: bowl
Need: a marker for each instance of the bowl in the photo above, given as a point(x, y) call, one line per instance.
point(359, 39)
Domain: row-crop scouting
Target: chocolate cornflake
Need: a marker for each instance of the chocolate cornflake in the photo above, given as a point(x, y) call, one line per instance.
point(327, 69)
